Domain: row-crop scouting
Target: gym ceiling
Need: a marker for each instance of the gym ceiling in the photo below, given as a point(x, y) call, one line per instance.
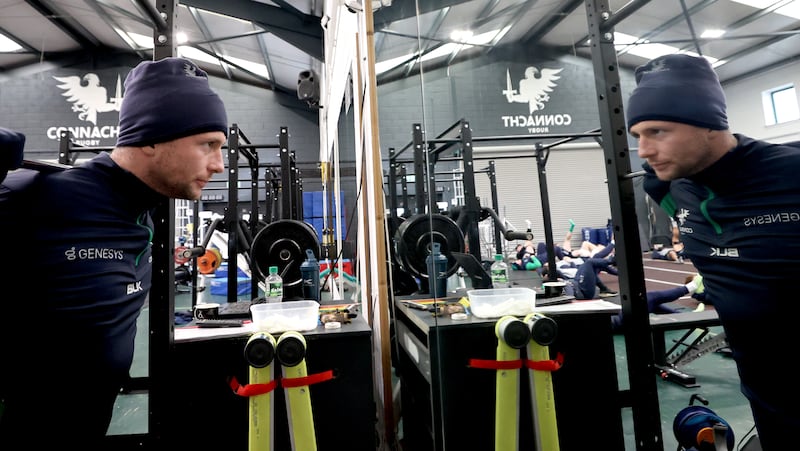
point(268, 43)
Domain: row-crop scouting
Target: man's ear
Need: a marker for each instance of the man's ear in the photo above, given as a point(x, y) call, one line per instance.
point(149, 150)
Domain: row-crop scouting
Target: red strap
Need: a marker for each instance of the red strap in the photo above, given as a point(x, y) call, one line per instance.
point(546, 365)
point(291, 382)
point(495, 364)
point(252, 389)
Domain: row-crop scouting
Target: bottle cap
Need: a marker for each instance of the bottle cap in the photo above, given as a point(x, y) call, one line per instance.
point(498, 257)
point(273, 270)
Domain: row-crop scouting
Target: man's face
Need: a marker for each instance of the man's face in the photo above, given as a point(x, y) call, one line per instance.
point(181, 168)
point(673, 149)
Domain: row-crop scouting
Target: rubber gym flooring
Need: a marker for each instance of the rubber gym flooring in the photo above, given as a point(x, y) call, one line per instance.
point(715, 373)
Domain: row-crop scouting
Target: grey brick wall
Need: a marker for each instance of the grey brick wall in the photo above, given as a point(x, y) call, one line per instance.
point(35, 105)
point(473, 90)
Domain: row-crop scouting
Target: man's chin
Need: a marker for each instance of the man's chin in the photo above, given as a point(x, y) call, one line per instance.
point(665, 176)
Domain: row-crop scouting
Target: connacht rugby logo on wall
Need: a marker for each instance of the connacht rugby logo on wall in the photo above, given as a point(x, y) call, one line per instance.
point(534, 89)
point(88, 98)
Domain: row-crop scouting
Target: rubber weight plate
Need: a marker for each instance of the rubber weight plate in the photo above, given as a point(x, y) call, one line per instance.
point(415, 236)
point(283, 243)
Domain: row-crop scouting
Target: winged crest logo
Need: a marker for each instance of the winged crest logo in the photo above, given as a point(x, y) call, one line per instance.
point(533, 89)
point(682, 215)
point(87, 96)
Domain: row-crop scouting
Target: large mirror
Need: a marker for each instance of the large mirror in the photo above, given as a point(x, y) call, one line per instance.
point(491, 137)
point(502, 123)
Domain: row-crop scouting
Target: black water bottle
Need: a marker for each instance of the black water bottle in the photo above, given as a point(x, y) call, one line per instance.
point(309, 271)
point(437, 271)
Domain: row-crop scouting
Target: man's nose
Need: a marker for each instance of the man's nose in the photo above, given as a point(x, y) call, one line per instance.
point(217, 164)
point(644, 149)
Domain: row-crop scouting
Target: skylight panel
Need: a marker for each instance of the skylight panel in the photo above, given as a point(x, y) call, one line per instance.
point(256, 68)
point(791, 9)
point(7, 45)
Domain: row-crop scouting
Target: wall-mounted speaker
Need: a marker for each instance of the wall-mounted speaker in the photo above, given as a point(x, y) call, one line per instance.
point(308, 87)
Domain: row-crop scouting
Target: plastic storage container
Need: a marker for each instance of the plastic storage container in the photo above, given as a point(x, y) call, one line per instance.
point(284, 316)
point(499, 302)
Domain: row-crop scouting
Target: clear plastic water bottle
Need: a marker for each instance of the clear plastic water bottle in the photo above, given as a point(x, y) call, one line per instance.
point(499, 271)
point(274, 286)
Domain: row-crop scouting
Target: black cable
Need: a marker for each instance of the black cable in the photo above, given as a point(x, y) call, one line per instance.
point(743, 440)
point(346, 236)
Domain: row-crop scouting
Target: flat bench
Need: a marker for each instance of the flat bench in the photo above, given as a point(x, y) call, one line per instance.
point(694, 348)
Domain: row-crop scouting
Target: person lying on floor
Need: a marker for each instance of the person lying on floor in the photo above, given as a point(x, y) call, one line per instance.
point(673, 254)
point(657, 299)
point(565, 250)
point(526, 258)
point(585, 283)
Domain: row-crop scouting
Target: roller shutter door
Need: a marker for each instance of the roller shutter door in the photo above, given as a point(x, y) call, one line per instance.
point(576, 185)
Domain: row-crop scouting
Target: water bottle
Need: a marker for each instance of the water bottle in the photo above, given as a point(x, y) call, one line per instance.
point(499, 271)
point(437, 271)
point(309, 271)
point(274, 286)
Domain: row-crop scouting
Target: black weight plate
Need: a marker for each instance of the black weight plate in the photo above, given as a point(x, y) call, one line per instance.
point(415, 236)
point(283, 243)
point(394, 225)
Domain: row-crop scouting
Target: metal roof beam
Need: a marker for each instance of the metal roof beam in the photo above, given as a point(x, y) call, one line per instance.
point(301, 30)
point(65, 23)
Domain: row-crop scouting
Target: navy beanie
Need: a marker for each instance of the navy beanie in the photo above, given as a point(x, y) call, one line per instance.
point(678, 88)
point(166, 100)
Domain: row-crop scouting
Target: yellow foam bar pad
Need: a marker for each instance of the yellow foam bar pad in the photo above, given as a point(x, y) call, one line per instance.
point(506, 416)
point(542, 399)
point(260, 432)
point(298, 405)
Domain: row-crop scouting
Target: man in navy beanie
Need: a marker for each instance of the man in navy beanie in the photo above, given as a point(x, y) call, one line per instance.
point(736, 200)
point(84, 236)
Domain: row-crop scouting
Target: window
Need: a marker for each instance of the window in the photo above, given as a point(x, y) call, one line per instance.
point(780, 105)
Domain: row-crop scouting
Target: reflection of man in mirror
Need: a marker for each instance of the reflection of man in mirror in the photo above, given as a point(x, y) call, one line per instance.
point(533, 88)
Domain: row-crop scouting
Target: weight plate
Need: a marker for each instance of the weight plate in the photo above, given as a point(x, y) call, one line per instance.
point(394, 225)
point(283, 243)
point(415, 236)
point(179, 258)
point(209, 261)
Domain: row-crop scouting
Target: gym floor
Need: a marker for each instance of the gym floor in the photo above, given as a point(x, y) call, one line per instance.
point(715, 373)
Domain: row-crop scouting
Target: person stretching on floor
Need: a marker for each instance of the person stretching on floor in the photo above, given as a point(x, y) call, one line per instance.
point(657, 299)
point(585, 284)
point(526, 258)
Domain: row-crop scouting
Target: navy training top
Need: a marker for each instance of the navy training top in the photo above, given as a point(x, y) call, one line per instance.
point(83, 236)
point(739, 220)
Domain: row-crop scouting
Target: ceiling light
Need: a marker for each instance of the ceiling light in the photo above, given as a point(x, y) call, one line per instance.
point(712, 33)
point(461, 36)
